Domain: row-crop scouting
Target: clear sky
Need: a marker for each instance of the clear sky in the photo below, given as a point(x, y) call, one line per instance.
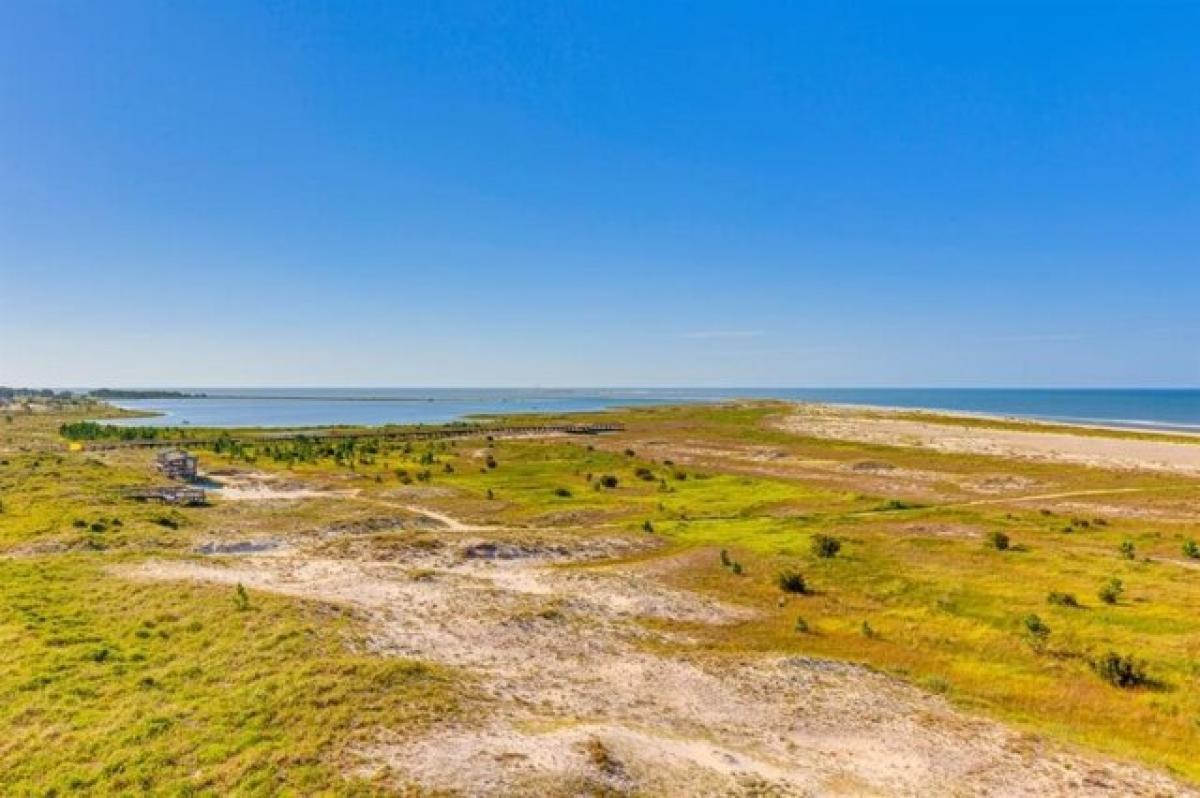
point(600, 193)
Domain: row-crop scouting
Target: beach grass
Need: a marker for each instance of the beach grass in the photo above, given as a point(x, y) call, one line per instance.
point(918, 588)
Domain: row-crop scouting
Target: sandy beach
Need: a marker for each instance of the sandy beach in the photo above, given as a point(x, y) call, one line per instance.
point(1096, 450)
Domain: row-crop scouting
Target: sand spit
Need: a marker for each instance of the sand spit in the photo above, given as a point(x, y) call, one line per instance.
point(1126, 454)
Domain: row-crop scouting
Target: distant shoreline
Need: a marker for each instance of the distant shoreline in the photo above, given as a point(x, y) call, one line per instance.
point(296, 409)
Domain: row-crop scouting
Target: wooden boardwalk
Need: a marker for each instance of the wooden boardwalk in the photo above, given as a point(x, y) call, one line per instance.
point(168, 494)
point(410, 433)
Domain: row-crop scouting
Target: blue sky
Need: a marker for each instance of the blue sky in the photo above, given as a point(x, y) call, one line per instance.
point(559, 193)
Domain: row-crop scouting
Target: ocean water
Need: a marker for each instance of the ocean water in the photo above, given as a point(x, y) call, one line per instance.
point(244, 407)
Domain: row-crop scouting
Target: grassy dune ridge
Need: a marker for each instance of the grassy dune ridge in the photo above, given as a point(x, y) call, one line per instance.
point(120, 685)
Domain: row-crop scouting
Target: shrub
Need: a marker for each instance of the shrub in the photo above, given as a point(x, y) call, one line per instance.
point(725, 558)
point(1110, 592)
point(644, 474)
point(998, 540)
point(1120, 671)
point(790, 581)
point(562, 493)
point(241, 599)
point(648, 527)
point(825, 546)
point(490, 462)
point(1128, 551)
point(490, 495)
point(868, 631)
point(630, 453)
point(609, 481)
point(1037, 629)
point(736, 567)
point(1062, 599)
point(938, 684)
point(898, 504)
point(801, 625)
point(1035, 625)
point(1191, 549)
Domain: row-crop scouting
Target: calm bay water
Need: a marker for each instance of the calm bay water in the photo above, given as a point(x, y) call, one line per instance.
point(228, 407)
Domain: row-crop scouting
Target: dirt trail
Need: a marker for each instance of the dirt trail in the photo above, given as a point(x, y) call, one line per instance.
point(582, 697)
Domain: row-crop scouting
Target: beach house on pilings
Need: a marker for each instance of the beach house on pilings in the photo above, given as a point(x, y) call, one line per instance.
point(177, 464)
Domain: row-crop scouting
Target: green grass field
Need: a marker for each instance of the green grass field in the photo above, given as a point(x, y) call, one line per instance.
point(112, 685)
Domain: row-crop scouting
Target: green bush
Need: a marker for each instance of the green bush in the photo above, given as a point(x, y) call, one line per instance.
point(1110, 592)
point(899, 504)
point(791, 581)
point(1128, 551)
point(1036, 626)
point(1191, 549)
point(562, 493)
point(1037, 630)
point(1062, 599)
point(998, 540)
point(825, 546)
point(1120, 671)
point(609, 481)
point(241, 599)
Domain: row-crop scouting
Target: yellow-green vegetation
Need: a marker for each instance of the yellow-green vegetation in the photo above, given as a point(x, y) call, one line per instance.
point(113, 686)
point(928, 579)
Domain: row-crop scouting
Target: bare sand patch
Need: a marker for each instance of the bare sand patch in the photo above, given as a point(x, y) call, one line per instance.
point(1090, 450)
point(259, 486)
point(580, 696)
point(941, 530)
